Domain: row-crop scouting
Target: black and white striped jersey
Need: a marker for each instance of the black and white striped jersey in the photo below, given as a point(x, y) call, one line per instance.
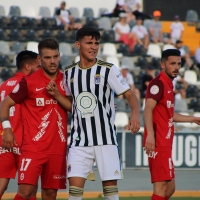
point(93, 111)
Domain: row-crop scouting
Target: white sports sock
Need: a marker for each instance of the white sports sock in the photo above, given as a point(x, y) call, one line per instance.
point(112, 197)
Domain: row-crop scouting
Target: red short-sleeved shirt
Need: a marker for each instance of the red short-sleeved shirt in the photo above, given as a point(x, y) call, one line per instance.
point(15, 114)
point(44, 120)
point(161, 90)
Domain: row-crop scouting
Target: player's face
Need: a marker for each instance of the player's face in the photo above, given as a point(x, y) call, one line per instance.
point(49, 60)
point(171, 66)
point(88, 48)
point(34, 66)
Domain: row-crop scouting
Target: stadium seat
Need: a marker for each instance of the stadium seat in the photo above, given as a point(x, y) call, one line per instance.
point(191, 16)
point(32, 35)
point(32, 46)
point(142, 62)
point(180, 105)
point(155, 63)
point(128, 61)
point(138, 50)
point(48, 34)
point(4, 61)
point(114, 60)
point(108, 36)
point(90, 21)
point(4, 21)
point(16, 22)
point(17, 47)
point(132, 23)
point(121, 119)
point(102, 11)
point(16, 35)
point(65, 61)
point(74, 12)
point(168, 46)
point(63, 36)
point(192, 91)
point(4, 47)
point(146, 23)
point(14, 11)
point(191, 77)
point(31, 23)
point(2, 11)
point(65, 48)
point(88, 12)
point(29, 11)
point(104, 23)
point(44, 11)
point(109, 49)
point(3, 35)
point(154, 50)
point(124, 49)
point(49, 23)
point(6, 73)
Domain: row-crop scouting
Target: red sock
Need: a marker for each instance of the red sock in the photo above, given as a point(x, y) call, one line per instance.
point(0, 197)
point(156, 197)
point(17, 197)
point(166, 198)
point(33, 198)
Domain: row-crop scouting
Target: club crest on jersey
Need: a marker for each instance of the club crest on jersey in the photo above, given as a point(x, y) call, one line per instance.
point(39, 101)
point(97, 78)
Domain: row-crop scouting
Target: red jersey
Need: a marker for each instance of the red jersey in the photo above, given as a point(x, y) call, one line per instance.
point(15, 113)
point(44, 120)
point(161, 90)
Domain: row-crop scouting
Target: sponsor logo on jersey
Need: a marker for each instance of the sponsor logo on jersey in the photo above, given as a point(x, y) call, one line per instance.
point(154, 89)
point(170, 104)
point(15, 150)
point(123, 81)
point(97, 78)
point(38, 89)
point(59, 177)
point(116, 172)
point(41, 102)
point(170, 124)
point(118, 75)
point(153, 154)
point(16, 88)
point(11, 83)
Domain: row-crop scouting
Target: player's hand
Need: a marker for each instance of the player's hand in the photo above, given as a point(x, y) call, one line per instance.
point(150, 144)
point(8, 139)
point(52, 88)
point(196, 120)
point(134, 124)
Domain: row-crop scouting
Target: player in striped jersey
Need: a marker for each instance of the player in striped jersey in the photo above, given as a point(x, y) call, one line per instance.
point(92, 84)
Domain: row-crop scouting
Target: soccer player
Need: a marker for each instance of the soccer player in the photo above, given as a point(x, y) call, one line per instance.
point(92, 84)
point(159, 117)
point(27, 63)
point(44, 127)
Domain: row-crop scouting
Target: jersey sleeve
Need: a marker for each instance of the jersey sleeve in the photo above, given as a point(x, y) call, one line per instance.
point(116, 81)
point(155, 90)
point(20, 92)
point(67, 90)
point(58, 12)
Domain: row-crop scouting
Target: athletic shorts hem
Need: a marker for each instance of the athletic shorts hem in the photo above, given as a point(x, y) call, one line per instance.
point(112, 178)
point(76, 175)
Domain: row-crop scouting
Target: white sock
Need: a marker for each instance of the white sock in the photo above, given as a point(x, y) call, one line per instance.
point(112, 197)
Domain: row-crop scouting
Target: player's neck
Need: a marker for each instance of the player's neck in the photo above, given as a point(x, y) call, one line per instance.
point(87, 63)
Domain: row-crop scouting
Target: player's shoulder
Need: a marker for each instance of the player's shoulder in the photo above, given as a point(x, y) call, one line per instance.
point(104, 64)
point(71, 66)
point(157, 81)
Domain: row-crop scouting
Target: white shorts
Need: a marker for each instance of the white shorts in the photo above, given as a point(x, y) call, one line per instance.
point(81, 159)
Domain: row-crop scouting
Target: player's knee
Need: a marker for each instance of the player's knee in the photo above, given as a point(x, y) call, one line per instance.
point(75, 193)
point(110, 192)
point(49, 194)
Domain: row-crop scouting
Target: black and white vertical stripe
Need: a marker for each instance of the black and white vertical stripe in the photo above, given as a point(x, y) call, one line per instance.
point(98, 129)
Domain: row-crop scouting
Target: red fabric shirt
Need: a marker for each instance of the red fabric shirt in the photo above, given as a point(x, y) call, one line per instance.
point(44, 120)
point(161, 90)
point(15, 113)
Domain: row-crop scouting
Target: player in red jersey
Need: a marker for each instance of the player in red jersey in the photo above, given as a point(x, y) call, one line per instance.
point(27, 63)
point(159, 117)
point(44, 124)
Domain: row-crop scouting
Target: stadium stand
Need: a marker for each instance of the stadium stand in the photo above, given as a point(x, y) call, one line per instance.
point(15, 11)
point(44, 11)
point(88, 12)
point(2, 11)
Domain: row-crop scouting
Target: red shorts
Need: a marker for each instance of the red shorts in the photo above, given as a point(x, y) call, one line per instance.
point(161, 165)
point(51, 169)
point(9, 163)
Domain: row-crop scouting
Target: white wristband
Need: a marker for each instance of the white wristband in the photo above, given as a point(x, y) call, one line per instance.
point(6, 124)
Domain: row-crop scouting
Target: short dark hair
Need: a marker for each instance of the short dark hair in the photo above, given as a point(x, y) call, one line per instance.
point(25, 57)
point(48, 43)
point(87, 31)
point(170, 52)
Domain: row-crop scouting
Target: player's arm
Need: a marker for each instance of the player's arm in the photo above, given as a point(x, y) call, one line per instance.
point(8, 139)
point(185, 118)
point(65, 102)
point(134, 122)
point(148, 120)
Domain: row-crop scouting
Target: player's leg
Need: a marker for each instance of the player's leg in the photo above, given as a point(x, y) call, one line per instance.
point(53, 176)
point(3, 185)
point(170, 189)
point(80, 161)
point(159, 190)
point(30, 168)
point(110, 170)
point(34, 194)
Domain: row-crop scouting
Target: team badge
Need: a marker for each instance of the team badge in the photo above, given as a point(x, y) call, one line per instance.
point(69, 168)
point(154, 89)
point(97, 78)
